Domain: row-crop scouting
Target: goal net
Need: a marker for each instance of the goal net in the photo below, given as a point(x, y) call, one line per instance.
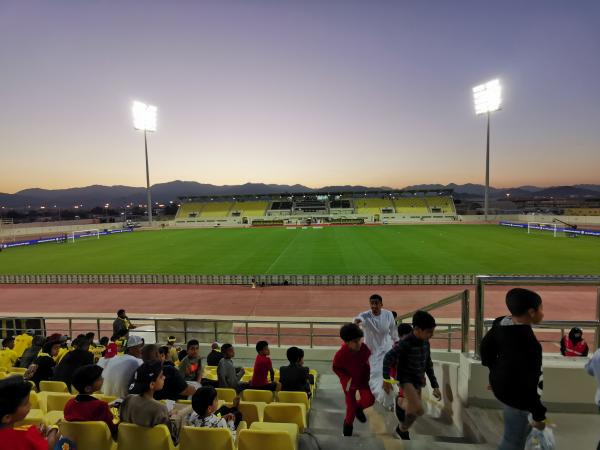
point(93, 234)
point(542, 227)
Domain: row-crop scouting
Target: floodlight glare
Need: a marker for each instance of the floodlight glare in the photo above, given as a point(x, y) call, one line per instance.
point(488, 97)
point(144, 116)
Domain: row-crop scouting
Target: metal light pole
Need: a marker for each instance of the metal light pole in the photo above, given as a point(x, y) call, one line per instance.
point(148, 195)
point(487, 98)
point(144, 118)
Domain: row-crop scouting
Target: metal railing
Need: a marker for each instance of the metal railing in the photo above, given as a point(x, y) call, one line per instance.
point(485, 280)
point(280, 333)
point(465, 317)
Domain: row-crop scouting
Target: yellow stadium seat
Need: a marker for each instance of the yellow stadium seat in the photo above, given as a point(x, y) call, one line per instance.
point(286, 413)
point(88, 435)
point(226, 394)
point(257, 395)
point(35, 417)
point(194, 438)
point(18, 370)
point(105, 398)
point(264, 436)
point(34, 400)
point(56, 401)
point(3, 375)
point(53, 386)
point(251, 411)
point(294, 397)
point(53, 417)
point(134, 437)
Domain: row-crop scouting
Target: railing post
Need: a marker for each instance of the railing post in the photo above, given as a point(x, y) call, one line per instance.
point(185, 334)
point(311, 335)
point(465, 322)
point(479, 302)
point(278, 334)
point(98, 329)
point(216, 332)
point(247, 339)
point(449, 332)
point(597, 334)
point(70, 328)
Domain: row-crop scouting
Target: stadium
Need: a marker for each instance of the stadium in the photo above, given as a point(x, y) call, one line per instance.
point(216, 315)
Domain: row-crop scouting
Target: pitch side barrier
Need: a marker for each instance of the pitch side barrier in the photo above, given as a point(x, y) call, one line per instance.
point(547, 228)
point(62, 238)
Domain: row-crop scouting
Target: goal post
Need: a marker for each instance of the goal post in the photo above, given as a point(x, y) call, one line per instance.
point(543, 226)
point(93, 233)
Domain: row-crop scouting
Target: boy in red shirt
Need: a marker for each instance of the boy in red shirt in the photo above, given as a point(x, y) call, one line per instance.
point(351, 365)
point(262, 367)
point(85, 408)
point(14, 407)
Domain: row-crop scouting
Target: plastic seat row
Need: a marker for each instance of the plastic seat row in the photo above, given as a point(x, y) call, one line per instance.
point(260, 436)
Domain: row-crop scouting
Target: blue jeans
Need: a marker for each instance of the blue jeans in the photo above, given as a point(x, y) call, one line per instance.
point(516, 429)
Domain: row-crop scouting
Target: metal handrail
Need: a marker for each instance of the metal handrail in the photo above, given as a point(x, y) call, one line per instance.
point(483, 280)
point(465, 316)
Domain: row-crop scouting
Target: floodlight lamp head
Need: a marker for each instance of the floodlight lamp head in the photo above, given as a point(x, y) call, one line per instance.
point(487, 97)
point(144, 116)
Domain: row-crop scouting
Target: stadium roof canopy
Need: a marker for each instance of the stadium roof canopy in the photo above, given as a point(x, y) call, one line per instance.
point(331, 194)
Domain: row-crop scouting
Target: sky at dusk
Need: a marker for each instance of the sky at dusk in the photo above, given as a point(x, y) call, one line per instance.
point(316, 92)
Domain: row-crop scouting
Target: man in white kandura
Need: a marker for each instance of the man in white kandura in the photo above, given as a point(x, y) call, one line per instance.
point(380, 331)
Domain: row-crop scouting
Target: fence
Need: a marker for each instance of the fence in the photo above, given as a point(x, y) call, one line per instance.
point(268, 280)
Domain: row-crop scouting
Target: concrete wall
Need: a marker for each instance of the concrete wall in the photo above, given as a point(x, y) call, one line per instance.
point(21, 232)
point(567, 386)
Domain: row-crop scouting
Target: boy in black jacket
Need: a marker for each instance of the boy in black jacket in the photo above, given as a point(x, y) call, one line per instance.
point(413, 359)
point(514, 356)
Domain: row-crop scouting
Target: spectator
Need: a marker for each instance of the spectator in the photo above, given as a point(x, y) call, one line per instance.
point(230, 376)
point(122, 324)
point(207, 413)
point(173, 350)
point(404, 329)
point(90, 337)
point(120, 369)
point(593, 368)
point(8, 356)
point(514, 356)
point(85, 408)
point(43, 365)
point(104, 341)
point(351, 365)
point(412, 357)
point(78, 357)
point(574, 345)
point(215, 355)
point(190, 367)
point(31, 352)
point(263, 366)
point(14, 407)
point(295, 377)
point(141, 408)
point(63, 349)
point(175, 387)
point(23, 342)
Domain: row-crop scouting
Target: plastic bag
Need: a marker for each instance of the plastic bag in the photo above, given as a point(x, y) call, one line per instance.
point(541, 439)
point(432, 406)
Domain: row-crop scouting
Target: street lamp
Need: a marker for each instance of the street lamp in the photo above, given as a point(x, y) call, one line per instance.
point(488, 98)
point(144, 118)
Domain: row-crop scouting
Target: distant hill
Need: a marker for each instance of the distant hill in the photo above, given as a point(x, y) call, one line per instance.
point(98, 195)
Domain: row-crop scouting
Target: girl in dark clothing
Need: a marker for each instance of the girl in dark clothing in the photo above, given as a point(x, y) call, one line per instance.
point(45, 363)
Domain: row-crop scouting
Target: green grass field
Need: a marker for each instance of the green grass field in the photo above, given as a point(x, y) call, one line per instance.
point(421, 249)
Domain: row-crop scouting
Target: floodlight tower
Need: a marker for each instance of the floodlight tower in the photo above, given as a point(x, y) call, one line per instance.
point(144, 118)
point(488, 98)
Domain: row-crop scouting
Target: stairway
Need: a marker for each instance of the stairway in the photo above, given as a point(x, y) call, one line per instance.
point(327, 414)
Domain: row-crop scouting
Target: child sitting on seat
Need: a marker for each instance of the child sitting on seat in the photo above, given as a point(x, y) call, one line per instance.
point(263, 367)
point(207, 413)
point(295, 377)
point(14, 407)
point(141, 408)
point(85, 408)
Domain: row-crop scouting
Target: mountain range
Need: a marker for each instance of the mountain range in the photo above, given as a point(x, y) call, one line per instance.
point(98, 195)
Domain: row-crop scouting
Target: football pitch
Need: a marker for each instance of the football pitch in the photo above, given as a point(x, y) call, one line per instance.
point(352, 250)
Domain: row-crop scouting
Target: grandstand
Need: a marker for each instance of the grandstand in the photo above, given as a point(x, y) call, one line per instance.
point(360, 207)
